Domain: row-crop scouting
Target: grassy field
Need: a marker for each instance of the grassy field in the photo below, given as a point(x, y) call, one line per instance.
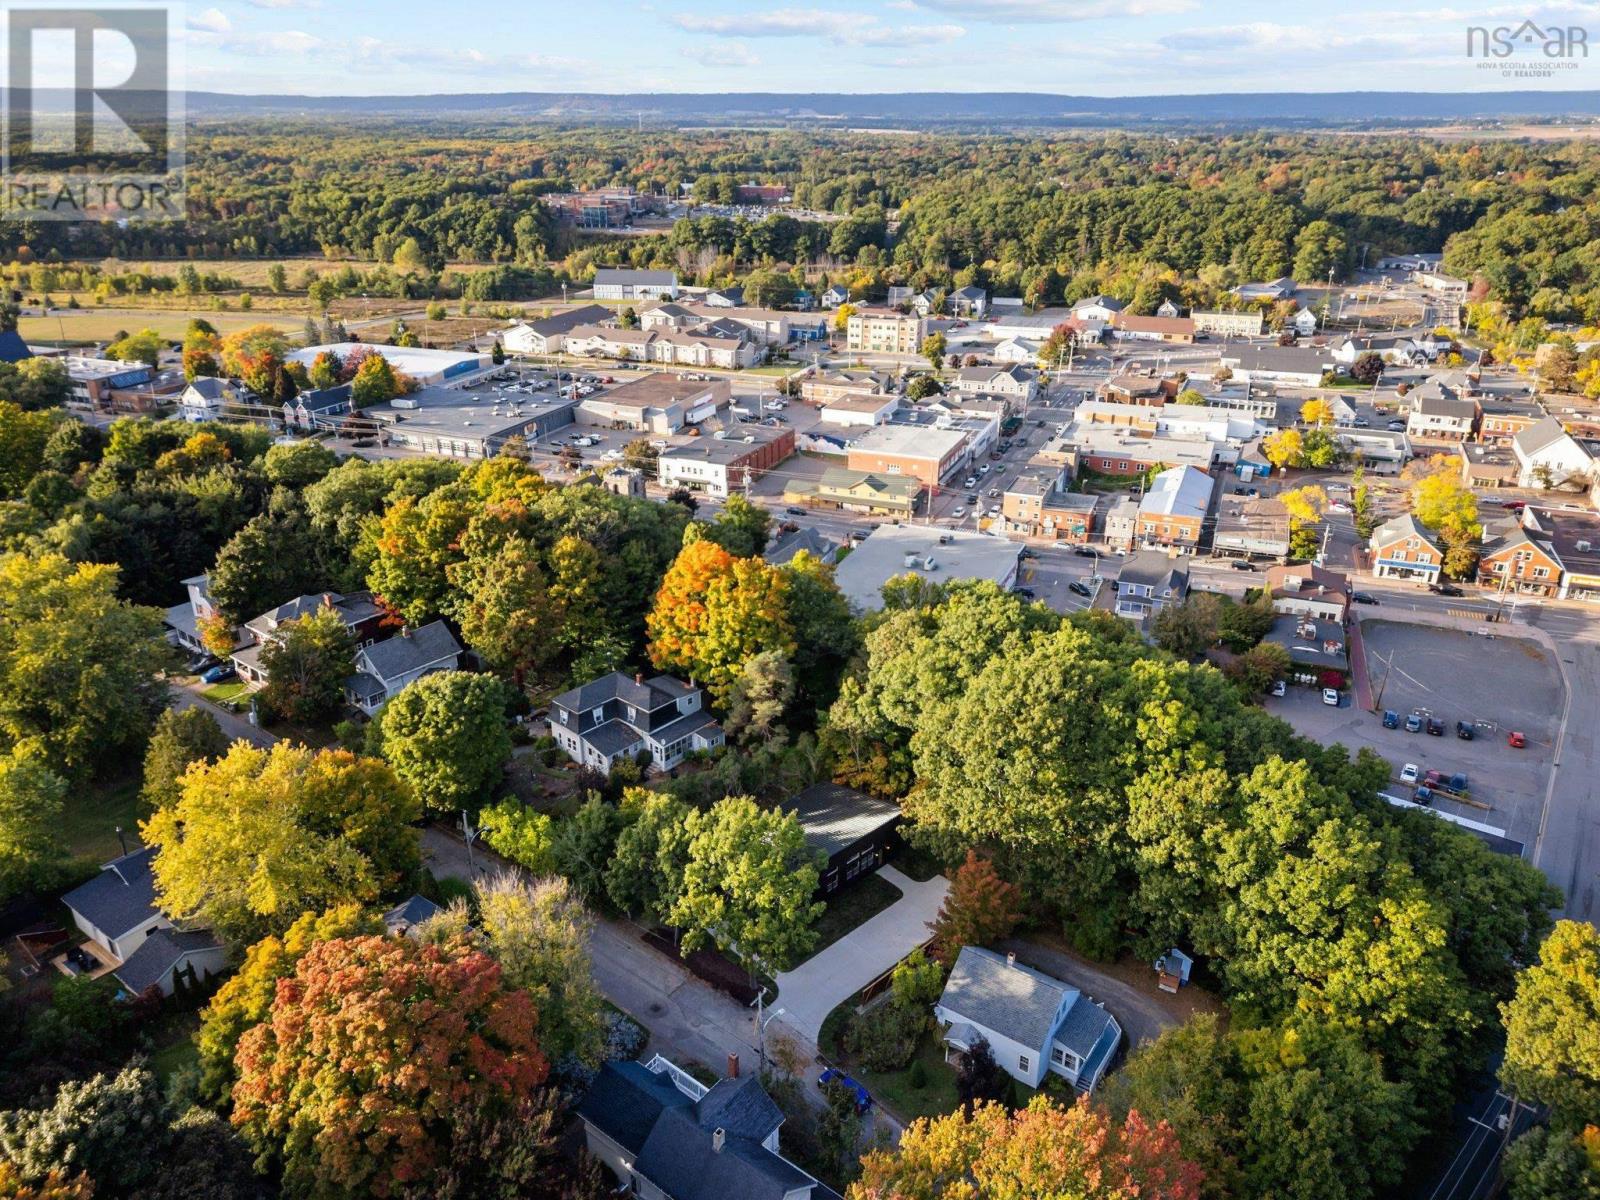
point(101, 325)
point(89, 824)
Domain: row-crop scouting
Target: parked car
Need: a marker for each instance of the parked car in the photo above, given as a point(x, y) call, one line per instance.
point(1423, 795)
point(830, 1075)
point(1435, 727)
point(1240, 565)
point(220, 673)
point(1464, 730)
point(1079, 587)
point(1517, 740)
point(1445, 589)
point(1280, 688)
point(1363, 597)
point(959, 513)
point(1330, 697)
point(1413, 723)
point(1339, 506)
point(1458, 782)
point(1025, 592)
point(1391, 719)
point(795, 511)
point(1409, 773)
point(202, 662)
point(1396, 426)
point(1086, 552)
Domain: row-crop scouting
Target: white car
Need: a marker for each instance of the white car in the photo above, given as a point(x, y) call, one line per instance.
point(1409, 773)
point(959, 513)
point(659, 443)
point(1340, 506)
point(971, 481)
point(1330, 697)
point(1280, 688)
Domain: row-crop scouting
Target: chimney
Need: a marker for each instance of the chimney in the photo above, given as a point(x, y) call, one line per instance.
point(327, 599)
point(638, 676)
point(1011, 960)
point(733, 1066)
point(718, 1138)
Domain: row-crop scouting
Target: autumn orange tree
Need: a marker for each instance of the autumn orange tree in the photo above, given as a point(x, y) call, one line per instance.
point(980, 907)
point(255, 355)
point(1043, 1152)
point(714, 612)
point(375, 1049)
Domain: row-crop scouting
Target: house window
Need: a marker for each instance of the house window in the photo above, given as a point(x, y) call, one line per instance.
point(1540, 572)
point(562, 713)
point(1022, 1063)
point(1058, 1056)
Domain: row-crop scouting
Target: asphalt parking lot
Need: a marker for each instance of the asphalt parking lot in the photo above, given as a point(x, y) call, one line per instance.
point(1499, 684)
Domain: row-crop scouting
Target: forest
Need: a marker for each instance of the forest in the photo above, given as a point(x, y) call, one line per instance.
point(1046, 217)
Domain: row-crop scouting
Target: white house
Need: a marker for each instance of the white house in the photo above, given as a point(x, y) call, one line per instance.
point(203, 400)
point(1017, 350)
point(1032, 1022)
point(384, 668)
point(1097, 308)
point(835, 296)
point(544, 336)
point(1304, 322)
point(619, 716)
point(1015, 381)
point(617, 283)
point(1550, 457)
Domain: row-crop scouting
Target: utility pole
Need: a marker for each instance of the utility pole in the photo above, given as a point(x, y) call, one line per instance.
point(1388, 665)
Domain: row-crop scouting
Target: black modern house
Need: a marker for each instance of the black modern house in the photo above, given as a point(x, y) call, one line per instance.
point(856, 831)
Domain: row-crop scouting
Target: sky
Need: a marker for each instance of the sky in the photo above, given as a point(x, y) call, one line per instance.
point(1080, 47)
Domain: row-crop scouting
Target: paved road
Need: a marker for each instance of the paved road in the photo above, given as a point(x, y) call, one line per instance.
point(820, 984)
point(235, 726)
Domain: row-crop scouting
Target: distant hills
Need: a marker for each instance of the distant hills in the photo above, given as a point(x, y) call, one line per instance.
point(930, 109)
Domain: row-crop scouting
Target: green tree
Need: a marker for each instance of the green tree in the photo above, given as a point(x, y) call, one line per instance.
point(182, 736)
point(1320, 247)
point(1190, 396)
point(260, 837)
point(23, 438)
point(582, 846)
point(748, 884)
point(298, 465)
point(506, 612)
point(32, 800)
point(446, 736)
point(741, 527)
point(77, 665)
point(522, 834)
point(539, 934)
point(142, 347)
point(1241, 626)
point(277, 278)
point(1552, 1055)
point(375, 382)
point(761, 696)
point(104, 1127)
point(1190, 628)
point(410, 258)
point(645, 874)
point(307, 664)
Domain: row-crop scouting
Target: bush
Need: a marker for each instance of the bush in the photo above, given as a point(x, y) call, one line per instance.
point(885, 1038)
point(918, 1077)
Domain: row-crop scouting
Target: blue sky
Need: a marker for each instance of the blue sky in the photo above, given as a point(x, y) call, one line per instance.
point(1097, 47)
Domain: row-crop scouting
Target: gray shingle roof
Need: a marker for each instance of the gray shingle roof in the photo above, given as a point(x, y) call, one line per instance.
point(1008, 999)
point(413, 911)
point(651, 694)
point(410, 652)
point(612, 737)
point(209, 388)
point(1083, 1027)
point(834, 816)
point(1539, 436)
point(121, 898)
point(1155, 568)
point(156, 957)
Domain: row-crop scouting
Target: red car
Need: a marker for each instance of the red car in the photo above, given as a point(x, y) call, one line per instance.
point(1516, 741)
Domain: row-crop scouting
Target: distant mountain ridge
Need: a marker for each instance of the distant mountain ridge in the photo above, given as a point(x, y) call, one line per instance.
point(929, 108)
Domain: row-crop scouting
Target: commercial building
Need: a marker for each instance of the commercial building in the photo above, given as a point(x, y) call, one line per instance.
point(1128, 328)
point(859, 408)
point(1015, 382)
point(616, 283)
point(727, 461)
point(1111, 450)
point(1173, 511)
point(829, 386)
point(1250, 527)
point(1487, 466)
point(932, 554)
point(456, 424)
point(857, 491)
point(92, 380)
point(1248, 323)
point(427, 367)
point(1402, 549)
point(1574, 538)
point(1309, 591)
point(1379, 451)
point(1550, 457)
point(1038, 504)
point(884, 331)
point(659, 403)
point(927, 453)
point(1294, 365)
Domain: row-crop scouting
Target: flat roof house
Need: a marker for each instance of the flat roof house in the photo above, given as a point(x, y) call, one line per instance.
point(618, 283)
point(1178, 330)
point(1032, 1022)
point(619, 716)
point(667, 1136)
point(459, 424)
point(857, 832)
point(884, 331)
point(384, 668)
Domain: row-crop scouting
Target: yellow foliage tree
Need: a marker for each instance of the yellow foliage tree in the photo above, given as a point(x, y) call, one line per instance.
point(1317, 412)
point(1286, 448)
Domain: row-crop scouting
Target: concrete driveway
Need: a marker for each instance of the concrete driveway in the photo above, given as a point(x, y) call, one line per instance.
point(817, 986)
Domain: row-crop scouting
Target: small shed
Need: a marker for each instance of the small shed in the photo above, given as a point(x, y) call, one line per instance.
point(856, 831)
point(1172, 970)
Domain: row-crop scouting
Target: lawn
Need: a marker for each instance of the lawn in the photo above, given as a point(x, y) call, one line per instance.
point(92, 815)
point(226, 693)
point(101, 324)
point(172, 1058)
point(853, 906)
point(935, 1098)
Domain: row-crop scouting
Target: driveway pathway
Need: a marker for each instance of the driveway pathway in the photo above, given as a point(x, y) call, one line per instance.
point(817, 986)
point(235, 726)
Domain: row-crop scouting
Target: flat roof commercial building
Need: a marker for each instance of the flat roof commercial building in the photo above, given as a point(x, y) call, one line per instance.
point(659, 403)
point(926, 453)
point(936, 555)
point(725, 462)
point(425, 366)
point(438, 420)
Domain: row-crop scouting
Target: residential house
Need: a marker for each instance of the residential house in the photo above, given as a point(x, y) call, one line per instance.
point(835, 296)
point(407, 918)
point(858, 833)
point(884, 331)
point(1122, 523)
point(1149, 581)
point(1144, 388)
point(1296, 366)
point(970, 302)
point(1402, 549)
point(183, 620)
point(1126, 327)
point(1097, 308)
point(727, 462)
point(669, 314)
point(118, 913)
point(205, 398)
point(620, 716)
point(323, 408)
point(384, 668)
point(782, 549)
point(1017, 350)
point(1549, 457)
point(667, 1136)
point(1173, 511)
point(871, 492)
point(1016, 382)
point(1444, 407)
point(1309, 591)
point(1032, 1022)
point(1520, 559)
point(728, 297)
point(545, 336)
point(1304, 322)
point(618, 283)
point(1248, 323)
point(1574, 538)
point(358, 611)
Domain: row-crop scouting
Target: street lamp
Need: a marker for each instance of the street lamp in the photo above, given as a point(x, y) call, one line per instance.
point(772, 1016)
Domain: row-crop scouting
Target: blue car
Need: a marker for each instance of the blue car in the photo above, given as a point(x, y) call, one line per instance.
point(1391, 719)
point(863, 1099)
point(219, 674)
